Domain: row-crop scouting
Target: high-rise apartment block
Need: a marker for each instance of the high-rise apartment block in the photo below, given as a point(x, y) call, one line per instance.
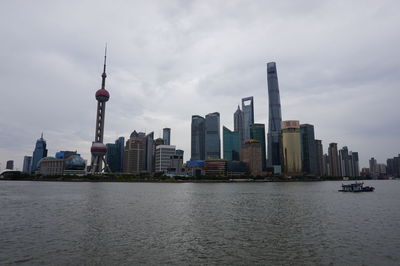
point(274, 119)
point(319, 152)
point(27, 165)
point(291, 147)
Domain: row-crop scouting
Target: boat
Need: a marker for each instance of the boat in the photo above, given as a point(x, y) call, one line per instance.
point(356, 187)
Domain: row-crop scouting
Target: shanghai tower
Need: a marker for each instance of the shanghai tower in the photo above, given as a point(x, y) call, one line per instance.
point(275, 119)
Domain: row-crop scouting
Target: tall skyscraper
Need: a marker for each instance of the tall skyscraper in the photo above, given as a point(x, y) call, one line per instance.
point(257, 132)
point(238, 123)
point(373, 167)
point(212, 136)
point(248, 116)
point(274, 119)
point(150, 150)
point(231, 144)
point(334, 169)
point(308, 150)
point(98, 149)
point(39, 153)
point(135, 153)
point(345, 163)
point(320, 157)
point(198, 138)
point(167, 136)
point(291, 146)
point(26, 166)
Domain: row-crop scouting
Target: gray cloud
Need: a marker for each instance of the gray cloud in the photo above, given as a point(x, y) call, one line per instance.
point(338, 67)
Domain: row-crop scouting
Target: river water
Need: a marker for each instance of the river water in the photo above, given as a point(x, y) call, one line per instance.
point(299, 223)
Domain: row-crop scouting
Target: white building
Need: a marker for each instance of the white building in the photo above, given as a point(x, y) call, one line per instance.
point(163, 157)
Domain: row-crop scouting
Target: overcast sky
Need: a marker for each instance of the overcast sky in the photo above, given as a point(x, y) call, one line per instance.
point(338, 69)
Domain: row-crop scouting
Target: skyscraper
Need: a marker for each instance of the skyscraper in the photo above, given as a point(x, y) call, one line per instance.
point(238, 123)
point(320, 157)
point(10, 165)
point(135, 153)
point(251, 155)
point(345, 163)
point(334, 169)
point(163, 156)
point(198, 138)
point(212, 136)
point(231, 144)
point(274, 119)
point(98, 149)
point(150, 150)
point(257, 132)
point(308, 150)
point(167, 136)
point(39, 153)
point(248, 116)
point(27, 165)
point(115, 155)
point(373, 167)
point(291, 146)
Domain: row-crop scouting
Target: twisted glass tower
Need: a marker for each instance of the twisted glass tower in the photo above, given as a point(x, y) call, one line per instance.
point(275, 119)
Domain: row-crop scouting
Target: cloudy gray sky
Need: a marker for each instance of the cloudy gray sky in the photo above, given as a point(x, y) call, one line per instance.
point(338, 68)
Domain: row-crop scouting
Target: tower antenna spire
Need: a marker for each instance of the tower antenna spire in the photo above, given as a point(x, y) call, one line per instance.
point(104, 75)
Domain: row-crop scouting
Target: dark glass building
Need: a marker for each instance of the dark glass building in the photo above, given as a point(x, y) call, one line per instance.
point(257, 132)
point(238, 123)
point(231, 144)
point(198, 138)
point(150, 151)
point(115, 155)
point(248, 116)
point(308, 149)
point(274, 118)
point(39, 153)
point(167, 136)
point(212, 136)
point(320, 157)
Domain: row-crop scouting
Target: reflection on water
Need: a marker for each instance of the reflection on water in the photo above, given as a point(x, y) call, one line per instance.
point(156, 223)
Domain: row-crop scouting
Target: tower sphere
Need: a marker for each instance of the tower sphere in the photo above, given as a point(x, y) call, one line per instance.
point(102, 95)
point(98, 149)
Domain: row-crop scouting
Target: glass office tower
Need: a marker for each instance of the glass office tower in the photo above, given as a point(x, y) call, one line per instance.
point(248, 116)
point(212, 136)
point(231, 144)
point(198, 138)
point(274, 119)
point(257, 132)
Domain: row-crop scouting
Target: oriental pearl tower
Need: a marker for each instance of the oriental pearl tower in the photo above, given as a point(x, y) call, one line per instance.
point(98, 149)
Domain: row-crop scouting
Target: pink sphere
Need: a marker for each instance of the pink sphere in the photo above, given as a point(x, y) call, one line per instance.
point(98, 149)
point(102, 95)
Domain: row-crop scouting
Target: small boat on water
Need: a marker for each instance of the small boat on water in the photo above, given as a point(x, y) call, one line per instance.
point(356, 187)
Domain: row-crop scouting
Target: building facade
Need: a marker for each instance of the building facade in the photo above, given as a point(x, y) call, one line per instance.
point(291, 147)
point(319, 152)
point(231, 144)
point(198, 138)
point(115, 155)
point(274, 119)
point(238, 123)
point(212, 136)
point(257, 132)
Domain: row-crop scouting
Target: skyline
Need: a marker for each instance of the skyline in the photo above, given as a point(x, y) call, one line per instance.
point(163, 72)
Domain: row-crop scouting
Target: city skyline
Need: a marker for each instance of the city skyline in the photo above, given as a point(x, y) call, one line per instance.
point(353, 89)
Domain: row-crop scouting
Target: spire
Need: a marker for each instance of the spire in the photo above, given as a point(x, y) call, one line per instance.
point(104, 75)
